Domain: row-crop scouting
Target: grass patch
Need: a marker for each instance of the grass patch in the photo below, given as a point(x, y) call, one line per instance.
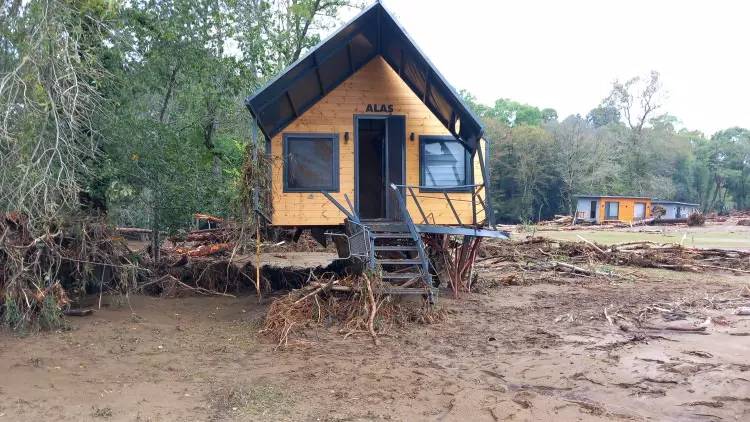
point(248, 402)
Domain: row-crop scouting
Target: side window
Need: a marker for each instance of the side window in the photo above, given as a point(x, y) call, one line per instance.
point(311, 162)
point(612, 210)
point(445, 164)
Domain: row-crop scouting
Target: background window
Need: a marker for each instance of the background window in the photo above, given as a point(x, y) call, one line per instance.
point(612, 210)
point(311, 162)
point(444, 163)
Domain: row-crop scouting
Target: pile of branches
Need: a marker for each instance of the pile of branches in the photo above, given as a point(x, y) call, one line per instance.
point(357, 304)
point(201, 261)
point(204, 242)
point(41, 275)
point(559, 220)
point(532, 252)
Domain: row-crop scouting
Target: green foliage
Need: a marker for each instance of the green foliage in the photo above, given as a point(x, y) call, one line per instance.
point(175, 128)
point(50, 315)
point(623, 147)
point(12, 317)
point(602, 116)
point(513, 113)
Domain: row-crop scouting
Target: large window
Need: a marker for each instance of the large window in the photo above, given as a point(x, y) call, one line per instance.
point(311, 162)
point(612, 210)
point(445, 164)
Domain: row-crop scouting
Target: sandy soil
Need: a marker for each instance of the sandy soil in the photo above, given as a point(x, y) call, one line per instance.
point(533, 352)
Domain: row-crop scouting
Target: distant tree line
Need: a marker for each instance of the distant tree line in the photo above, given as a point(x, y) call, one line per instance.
point(136, 107)
point(627, 145)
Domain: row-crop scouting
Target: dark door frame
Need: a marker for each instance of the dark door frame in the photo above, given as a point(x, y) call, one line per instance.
point(385, 117)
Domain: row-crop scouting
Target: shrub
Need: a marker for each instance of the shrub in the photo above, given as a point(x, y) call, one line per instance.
point(696, 219)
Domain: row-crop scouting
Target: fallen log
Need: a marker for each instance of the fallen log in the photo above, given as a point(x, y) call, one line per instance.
point(78, 312)
point(128, 230)
point(205, 250)
point(593, 245)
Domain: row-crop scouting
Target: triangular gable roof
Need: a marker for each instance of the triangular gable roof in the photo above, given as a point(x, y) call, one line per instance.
point(373, 32)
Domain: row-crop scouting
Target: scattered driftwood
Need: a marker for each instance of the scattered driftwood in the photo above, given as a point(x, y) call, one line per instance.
point(357, 304)
point(638, 254)
point(559, 220)
point(45, 268)
point(132, 230)
point(682, 327)
point(205, 250)
point(78, 312)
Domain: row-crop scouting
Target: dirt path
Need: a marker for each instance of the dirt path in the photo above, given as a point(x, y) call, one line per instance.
point(535, 352)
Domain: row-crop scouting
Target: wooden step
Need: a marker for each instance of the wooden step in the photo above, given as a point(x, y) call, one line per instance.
point(396, 248)
point(398, 261)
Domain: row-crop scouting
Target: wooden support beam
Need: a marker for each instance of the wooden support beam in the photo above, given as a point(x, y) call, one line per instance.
point(291, 103)
point(401, 65)
point(317, 74)
point(349, 56)
point(427, 86)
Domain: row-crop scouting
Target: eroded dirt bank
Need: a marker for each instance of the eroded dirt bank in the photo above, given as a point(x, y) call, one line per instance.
point(542, 351)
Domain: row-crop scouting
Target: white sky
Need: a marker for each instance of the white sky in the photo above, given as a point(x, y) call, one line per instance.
point(565, 54)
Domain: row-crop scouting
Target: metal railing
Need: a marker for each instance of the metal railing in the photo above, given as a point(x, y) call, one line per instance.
point(425, 263)
point(479, 211)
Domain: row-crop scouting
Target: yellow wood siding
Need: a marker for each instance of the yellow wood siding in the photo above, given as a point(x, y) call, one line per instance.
point(626, 208)
point(375, 83)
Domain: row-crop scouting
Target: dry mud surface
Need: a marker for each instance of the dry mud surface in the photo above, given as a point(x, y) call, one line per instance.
point(531, 352)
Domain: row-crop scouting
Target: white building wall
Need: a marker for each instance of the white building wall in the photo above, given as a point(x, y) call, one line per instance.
point(583, 209)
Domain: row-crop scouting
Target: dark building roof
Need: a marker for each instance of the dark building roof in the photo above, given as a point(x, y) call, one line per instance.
point(611, 196)
point(665, 202)
point(373, 32)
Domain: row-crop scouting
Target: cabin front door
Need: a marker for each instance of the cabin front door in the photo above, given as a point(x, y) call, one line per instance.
point(379, 161)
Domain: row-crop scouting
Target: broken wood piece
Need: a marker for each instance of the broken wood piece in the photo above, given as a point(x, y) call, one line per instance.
point(572, 267)
point(316, 291)
point(592, 244)
point(78, 312)
point(678, 327)
point(743, 311)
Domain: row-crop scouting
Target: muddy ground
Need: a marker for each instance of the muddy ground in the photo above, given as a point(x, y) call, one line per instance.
point(536, 351)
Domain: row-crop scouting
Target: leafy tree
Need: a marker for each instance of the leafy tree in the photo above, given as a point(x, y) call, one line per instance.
point(637, 101)
point(549, 115)
point(603, 115)
point(582, 159)
point(50, 96)
point(513, 113)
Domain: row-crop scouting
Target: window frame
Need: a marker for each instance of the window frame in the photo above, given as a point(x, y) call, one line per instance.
point(635, 207)
point(607, 216)
point(423, 140)
point(335, 166)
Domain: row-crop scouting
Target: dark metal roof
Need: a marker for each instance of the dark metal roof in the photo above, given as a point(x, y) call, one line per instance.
point(667, 202)
point(611, 196)
point(373, 32)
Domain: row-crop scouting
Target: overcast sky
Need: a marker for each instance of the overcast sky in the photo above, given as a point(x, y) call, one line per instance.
point(565, 54)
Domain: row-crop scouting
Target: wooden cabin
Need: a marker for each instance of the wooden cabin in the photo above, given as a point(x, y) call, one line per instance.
point(372, 147)
point(602, 209)
point(363, 111)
